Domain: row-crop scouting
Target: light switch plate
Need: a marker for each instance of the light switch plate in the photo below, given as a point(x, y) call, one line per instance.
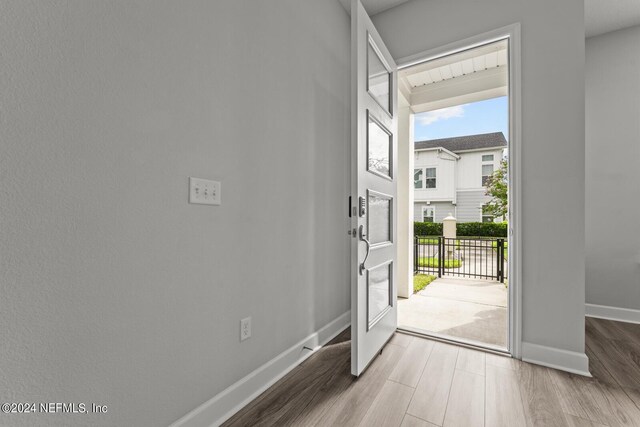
point(204, 191)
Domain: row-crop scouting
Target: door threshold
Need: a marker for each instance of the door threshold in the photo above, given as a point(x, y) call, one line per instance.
point(461, 342)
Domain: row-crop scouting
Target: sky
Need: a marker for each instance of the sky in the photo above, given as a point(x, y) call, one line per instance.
point(486, 116)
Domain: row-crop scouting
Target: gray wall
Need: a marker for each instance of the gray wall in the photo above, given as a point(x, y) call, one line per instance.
point(113, 289)
point(553, 122)
point(470, 205)
point(443, 209)
point(613, 172)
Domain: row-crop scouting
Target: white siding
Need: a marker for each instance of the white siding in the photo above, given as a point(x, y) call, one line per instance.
point(470, 168)
point(470, 205)
point(445, 165)
point(442, 210)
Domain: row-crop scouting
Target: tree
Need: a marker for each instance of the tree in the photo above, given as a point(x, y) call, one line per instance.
point(497, 188)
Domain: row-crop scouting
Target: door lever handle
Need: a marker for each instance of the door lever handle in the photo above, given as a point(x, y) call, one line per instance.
point(363, 237)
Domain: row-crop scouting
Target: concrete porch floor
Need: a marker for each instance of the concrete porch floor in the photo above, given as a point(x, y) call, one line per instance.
point(460, 308)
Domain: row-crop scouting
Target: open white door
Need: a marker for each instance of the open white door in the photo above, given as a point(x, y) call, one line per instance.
point(374, 190)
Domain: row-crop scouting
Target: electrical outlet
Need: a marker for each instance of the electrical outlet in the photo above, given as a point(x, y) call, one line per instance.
point(245, 328)
point(204, 191)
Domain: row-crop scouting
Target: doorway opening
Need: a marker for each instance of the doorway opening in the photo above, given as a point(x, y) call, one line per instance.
point(455, 113)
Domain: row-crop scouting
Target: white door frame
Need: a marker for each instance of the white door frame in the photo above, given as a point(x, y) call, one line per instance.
point(512, 34)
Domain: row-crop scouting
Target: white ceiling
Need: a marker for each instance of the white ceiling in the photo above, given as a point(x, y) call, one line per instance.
point(467, 62)
point(601, 16)
point(468, 76)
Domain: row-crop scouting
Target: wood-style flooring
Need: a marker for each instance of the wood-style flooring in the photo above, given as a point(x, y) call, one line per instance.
point(419, 382)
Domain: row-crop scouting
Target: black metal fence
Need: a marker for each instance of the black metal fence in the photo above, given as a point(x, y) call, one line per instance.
point(477, 257)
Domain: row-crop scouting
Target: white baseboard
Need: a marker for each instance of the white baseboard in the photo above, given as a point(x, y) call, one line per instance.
point(556, 358)
point(226, 403)
point(612, 313)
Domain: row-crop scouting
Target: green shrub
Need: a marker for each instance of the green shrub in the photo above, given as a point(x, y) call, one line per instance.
point(433, 262)
point(469, 229)
point(427, 240)
point(420, 281)
point(482, 229)
point(427, 228)
point(434, 240)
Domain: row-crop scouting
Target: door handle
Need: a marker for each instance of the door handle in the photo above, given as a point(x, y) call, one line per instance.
point(363, 237)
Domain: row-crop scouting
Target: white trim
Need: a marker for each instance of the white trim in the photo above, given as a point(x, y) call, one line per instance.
point(428, 206)
point(512, 33)
point(477, 150)
point(434, 200)
point(430, 177)
point(226, 403)
point(482, 175)
point(471, 189)
point(421, 169)
point(618, 314)
point(556, 358)
point(438, 149)
point(515, 198)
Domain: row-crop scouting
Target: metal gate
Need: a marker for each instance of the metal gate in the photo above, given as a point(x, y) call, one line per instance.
point(475, 257)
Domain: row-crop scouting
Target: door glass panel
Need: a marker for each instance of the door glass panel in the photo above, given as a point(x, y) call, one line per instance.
point(379, 219)
point(378, 149)
point(378, 292)
point(379, 79)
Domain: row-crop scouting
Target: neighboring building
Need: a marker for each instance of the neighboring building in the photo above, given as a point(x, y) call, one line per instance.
point(450, 176)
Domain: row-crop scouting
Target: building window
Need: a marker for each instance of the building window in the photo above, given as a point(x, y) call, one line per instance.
point(428, 214)
point(487, 158)
point(487, 171)
point(417, 178)
point(486, 216)
point(430, 180)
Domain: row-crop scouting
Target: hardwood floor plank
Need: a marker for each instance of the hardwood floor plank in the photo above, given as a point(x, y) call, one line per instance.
point(576, 396)
point(502, 361)
point(616, 330)
point(403, 340)
point(429, 401)
point(616, 406)
point(634, 395)
point(597, 368)
point(327, 393)
point(456, 386)
point(293, 393)
point(389, 407)
point(573, 421)
point(473, 361)
point(353, 404)
point(620, 358)
point(539, 397)
point(632, 330)
point(605, 327)
point(465, 407)
point(411, 421)
point(629, 362)
point(503, 403)
point(410, 367)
